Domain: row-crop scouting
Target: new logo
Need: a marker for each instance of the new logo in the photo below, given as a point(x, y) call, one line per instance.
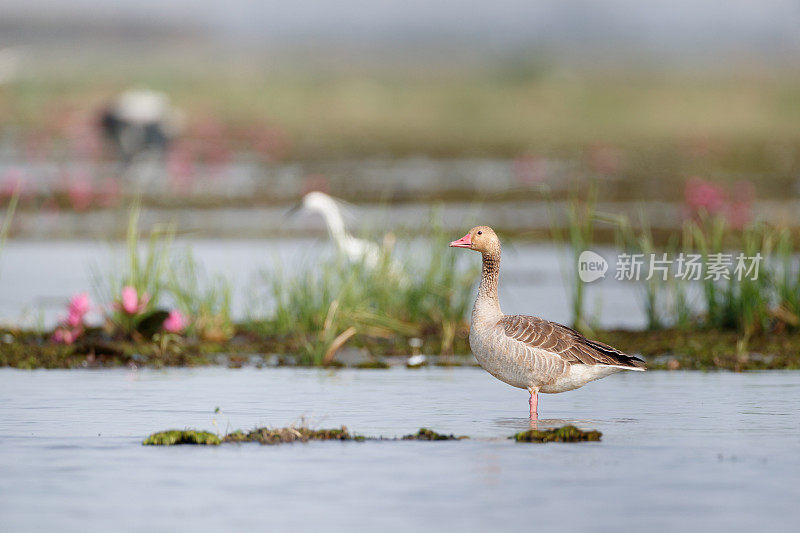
point(591, 266)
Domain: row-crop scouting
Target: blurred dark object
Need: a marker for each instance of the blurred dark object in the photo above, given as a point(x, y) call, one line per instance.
point(138, 122)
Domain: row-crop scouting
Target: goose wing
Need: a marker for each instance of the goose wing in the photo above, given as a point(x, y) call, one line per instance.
point(571, 346)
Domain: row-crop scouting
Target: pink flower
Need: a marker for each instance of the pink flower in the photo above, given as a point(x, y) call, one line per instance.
point(58, 336)
point(70, 328)
point(80, 304)
point(80, 192)
point(131, 303)
point(175, 322)
point(704, 195)
point(64, 335)
point(74, 319)
point(78, 307)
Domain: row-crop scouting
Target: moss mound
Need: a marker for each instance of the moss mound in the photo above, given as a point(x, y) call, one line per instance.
point(187, 436)
point(562, 434)
point(290, 434)
point(429, 434)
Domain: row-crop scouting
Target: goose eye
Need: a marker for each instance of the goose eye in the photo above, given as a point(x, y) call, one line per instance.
point(480, 233)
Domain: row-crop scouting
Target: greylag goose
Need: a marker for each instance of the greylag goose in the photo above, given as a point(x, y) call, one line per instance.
point(526, 351)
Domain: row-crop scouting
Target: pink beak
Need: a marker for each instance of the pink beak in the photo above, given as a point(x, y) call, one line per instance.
point(463, 242)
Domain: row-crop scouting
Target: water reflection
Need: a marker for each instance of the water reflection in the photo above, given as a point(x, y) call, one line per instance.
point(525, 423)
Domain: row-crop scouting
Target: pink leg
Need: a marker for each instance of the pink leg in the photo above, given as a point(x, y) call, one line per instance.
point(534, 402)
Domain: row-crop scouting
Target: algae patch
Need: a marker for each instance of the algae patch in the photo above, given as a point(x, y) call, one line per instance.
point(284, 435)
point(562, 434)
point(429, 434)
point(291, 434)
point(187, 436)
point(271, 436)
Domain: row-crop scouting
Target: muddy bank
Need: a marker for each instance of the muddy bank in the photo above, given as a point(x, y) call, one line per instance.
point(666, 349)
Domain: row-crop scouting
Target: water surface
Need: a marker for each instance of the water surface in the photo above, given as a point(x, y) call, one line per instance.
point(680, 450)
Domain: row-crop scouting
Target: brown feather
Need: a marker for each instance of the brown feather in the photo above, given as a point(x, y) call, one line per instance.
point(570, 345)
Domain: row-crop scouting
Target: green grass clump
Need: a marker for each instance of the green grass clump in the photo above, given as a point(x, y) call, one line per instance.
point(429, 434)
point(566, 433)
point(332, 302)
point(144, 272)
point(207, 300)
point(5, 226)
point(187, 436)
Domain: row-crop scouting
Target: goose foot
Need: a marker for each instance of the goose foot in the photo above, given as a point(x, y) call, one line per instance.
point(534, 403)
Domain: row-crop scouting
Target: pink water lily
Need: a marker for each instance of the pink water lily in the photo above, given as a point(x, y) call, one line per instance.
point(78, 306)
point(131, 303)
point(176, 322)
point(67, 335)
point(704, 195)
point(63, 336)
point(71, 327)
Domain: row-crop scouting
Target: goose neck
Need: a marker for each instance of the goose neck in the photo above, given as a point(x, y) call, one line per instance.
point(488, 300)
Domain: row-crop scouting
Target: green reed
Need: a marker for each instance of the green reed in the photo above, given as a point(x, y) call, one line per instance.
point(144, 270)
point(5, 227)
point(206, 299)
point(322, 305)
point(581, 218)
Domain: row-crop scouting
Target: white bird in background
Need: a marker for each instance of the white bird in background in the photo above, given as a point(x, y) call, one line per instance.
point(356, 250)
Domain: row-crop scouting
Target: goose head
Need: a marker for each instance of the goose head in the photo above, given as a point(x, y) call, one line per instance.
point(482, 239)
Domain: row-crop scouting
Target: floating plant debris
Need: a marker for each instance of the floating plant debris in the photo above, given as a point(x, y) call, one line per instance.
point(563, 434)
point(304, 434)
point(429, 434)
point(278, 436)
point(186, 436)
point(290, 434)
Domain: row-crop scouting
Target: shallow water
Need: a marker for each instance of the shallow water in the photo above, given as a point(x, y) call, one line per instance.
point(716, 451)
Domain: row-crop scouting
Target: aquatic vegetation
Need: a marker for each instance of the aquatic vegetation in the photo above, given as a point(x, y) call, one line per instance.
point(321, 307)
point(175, 322)
point(667, 348)
point(130, 302)
point(187, 436)
point(290, 434)
point(581, 218)
point(71, 327)
point(705, 199)
point(429, 434)
point(204, 301)
point(639, 239)
point(272, 436)
point(133, 292)
point(704, 349)
point(566, 433)
point(293, 434)
point(785, 278)
point(5, 227)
